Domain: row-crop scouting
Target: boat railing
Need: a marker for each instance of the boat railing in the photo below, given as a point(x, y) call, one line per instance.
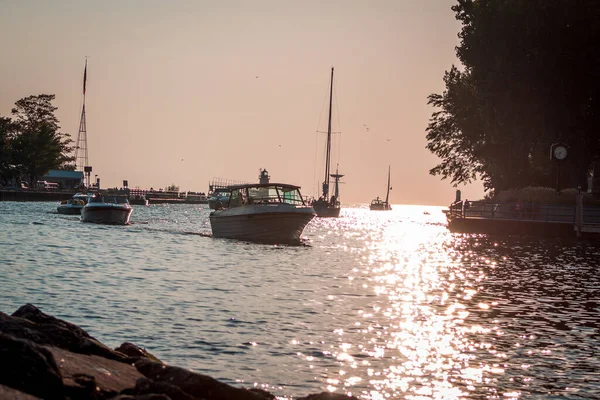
point(516, 211)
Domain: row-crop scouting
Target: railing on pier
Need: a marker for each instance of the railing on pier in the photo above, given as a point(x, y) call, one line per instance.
point(519, 211)
point(222, 183)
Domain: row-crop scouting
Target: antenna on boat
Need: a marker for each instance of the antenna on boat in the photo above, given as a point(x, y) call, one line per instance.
point(328, 154)
point(387, 196)
point(81, 150)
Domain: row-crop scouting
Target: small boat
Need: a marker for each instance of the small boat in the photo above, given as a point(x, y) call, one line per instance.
point(107, 209)
point(138, 200)
point(262, 212)
point(74, 205)
point(326, 206)
point(218, 196)
point(380, 205)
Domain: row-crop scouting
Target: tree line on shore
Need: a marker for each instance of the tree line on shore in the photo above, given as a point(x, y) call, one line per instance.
point(31, 142)
point(530, 77)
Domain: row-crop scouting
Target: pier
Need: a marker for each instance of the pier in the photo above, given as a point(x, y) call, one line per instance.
point(548, 220)
point(153, 196)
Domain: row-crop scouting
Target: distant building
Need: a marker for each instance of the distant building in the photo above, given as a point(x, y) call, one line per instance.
point(65, 179)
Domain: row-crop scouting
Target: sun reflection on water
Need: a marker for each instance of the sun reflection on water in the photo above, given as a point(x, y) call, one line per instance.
point(411, 338)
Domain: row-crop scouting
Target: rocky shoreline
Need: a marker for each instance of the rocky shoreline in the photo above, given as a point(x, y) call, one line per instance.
point(43, 357)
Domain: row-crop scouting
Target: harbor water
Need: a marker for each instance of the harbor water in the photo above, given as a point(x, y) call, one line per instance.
point(375, 304)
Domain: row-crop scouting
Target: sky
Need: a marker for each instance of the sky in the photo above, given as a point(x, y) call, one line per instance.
point(180, 92)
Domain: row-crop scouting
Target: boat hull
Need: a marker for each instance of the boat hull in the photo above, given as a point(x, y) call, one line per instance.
point(326, 210)
point(380, 207)
point(106, 214)
point(275, 227)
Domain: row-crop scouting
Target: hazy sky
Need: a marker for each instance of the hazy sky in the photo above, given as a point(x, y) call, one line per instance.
point(183, 91)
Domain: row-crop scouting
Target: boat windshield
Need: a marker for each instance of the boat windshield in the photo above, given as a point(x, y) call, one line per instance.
point(265, 195)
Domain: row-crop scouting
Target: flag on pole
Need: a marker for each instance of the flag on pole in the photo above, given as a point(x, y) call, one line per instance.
point(84, 76)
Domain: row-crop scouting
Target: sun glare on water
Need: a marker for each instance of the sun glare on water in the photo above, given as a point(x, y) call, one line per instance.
point(411, 336)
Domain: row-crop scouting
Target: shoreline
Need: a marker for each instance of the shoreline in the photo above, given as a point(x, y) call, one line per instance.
point(44, 357)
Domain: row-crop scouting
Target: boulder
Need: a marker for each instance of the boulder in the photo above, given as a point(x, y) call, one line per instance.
point(146, 386)
point(135, 353)
point(152, 396)
point(194, 384)
point(47, 330)
point(8, 393)
point(94, 374)
point(29, 368)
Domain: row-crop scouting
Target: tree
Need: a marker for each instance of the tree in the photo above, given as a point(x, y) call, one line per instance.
point(531, 78)
point(7, 128)
point(37, 145)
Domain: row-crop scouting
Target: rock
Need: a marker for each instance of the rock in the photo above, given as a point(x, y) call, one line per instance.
point(30, 368)
point(146, 386)
point(134, 352)
point(328, 396)
point(8, 393)
point(34, 314)
point(142, 397)
point(47, 330)
point(194, 384)
point(263, 393)
point(90, 373)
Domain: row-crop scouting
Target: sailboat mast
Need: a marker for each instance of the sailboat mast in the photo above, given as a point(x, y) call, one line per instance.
point(81, 151)
point(328, 156)
point(387, 196)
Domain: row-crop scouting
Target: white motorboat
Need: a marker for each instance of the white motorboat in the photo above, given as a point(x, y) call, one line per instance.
point(107, 209)
point(262, 212)
point(74, 205)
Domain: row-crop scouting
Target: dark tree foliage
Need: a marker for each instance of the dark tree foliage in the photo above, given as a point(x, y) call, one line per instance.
point(31, 143)
point(531, 78)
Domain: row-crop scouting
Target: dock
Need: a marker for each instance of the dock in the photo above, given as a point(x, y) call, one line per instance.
point(546, 220)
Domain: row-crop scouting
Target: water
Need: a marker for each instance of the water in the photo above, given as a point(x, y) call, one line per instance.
point(377, 304)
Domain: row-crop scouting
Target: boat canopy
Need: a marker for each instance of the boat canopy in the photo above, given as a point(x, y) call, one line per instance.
point(260, 185)
point(264, 193)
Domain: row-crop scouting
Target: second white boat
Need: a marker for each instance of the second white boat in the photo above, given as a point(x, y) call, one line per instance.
point(107, 209)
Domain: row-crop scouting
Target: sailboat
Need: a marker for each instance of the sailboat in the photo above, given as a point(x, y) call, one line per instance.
point(327, 206)
point(380, 205)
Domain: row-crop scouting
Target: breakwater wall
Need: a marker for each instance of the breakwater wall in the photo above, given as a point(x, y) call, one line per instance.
point(44, 357)
point(34, 195)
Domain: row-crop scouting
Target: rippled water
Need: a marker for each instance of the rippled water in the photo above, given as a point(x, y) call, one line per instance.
point(377, 304)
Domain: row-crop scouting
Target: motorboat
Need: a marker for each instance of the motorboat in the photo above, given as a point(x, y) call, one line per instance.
point(74, 205)
point(262, 212)
point(379, 204)
point(326, 206)
point(218, 196)
point(107, 209)
point(138, 200)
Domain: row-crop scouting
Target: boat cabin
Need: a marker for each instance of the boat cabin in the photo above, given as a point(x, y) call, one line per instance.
point(108, 199)
point(268, 193)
